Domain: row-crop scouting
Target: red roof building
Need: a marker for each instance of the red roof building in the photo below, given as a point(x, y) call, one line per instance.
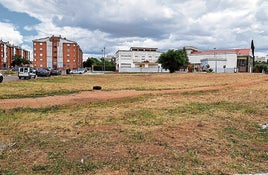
point(230, 60)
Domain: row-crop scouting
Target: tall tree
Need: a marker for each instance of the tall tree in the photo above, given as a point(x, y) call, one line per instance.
point(173, 60)
point(253, 51)
point(19, 61)
point(91, 61)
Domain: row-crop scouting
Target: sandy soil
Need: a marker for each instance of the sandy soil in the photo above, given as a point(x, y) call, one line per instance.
point(97, 96)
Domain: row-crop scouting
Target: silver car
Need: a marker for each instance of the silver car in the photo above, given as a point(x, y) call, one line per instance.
point(78, 71)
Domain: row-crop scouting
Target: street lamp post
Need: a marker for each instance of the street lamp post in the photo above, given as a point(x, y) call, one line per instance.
point(216, 66)
point(104, 57)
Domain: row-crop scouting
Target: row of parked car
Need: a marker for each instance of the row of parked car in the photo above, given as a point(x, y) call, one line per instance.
point(29, 72)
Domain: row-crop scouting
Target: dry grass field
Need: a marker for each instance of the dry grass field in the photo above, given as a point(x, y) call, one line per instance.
point(137, 124)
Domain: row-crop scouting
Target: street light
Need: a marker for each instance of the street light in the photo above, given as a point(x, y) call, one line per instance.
point(216, 66)
point(104, 57)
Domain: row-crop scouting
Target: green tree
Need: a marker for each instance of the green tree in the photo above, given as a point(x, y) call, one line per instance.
point(91, 61)
point(19, 61)
point(173, 60)
point(99, 64)
point(259, 67)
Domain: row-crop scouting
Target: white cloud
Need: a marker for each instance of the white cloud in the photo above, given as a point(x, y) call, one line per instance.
point(117, 24)
point(9, 33)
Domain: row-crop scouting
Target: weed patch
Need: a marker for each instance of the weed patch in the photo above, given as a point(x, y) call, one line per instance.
point(173, 133)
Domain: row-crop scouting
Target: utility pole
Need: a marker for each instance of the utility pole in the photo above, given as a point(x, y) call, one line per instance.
point(216, 66)
point(104, 58)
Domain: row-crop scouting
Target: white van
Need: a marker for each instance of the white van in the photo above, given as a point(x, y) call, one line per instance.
point(26, 73)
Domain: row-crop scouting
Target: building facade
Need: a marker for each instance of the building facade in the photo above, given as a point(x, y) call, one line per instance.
point(261, 59)
point(138, 59)
point(8, 52)
point(57, 52)
point(232, 60)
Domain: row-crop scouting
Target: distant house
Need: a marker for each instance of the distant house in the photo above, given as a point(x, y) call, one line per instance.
point(57, 52)
point(231, 60)
point(138, 59)
point(261, 59)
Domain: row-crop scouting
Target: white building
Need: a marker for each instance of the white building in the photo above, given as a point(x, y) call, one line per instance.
point(261, 59)
point(233, 60)
point(138, 59)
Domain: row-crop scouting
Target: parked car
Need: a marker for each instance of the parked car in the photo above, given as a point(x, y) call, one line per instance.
point(55, 72)
point(26, 72)
point(16, 68)
point(78, 71)
point(42, 72)
point(1, 78)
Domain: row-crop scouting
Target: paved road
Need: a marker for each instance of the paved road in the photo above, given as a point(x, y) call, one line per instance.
point(9, 78)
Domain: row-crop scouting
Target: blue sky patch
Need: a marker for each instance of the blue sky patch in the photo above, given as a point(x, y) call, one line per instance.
point(20, 20)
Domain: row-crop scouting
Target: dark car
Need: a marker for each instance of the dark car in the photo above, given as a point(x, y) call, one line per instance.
point(55, 72)
point(42, 72)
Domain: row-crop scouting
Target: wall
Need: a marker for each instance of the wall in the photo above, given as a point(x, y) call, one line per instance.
point(137, 61)
point(216, 61)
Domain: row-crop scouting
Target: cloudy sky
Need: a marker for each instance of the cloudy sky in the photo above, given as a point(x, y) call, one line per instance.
point(121, 24)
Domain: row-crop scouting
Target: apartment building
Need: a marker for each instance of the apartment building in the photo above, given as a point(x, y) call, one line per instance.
point(8, 52)
point(57, 52)
point(230, 60)
point(138, 59)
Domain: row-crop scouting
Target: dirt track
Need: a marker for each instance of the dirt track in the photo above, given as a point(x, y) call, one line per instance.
point(96, 96)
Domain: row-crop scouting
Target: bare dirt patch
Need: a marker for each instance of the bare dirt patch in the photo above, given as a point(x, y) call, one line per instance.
point(97, 96)
point(207, 125)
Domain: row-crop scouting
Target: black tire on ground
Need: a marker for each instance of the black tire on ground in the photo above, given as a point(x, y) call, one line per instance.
point(96, 87)
point(1, 79)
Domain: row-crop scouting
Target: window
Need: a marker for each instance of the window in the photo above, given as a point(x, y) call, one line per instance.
point(40, 54)
point(125, 65)
point(40, 44)
point(41, 48)
point(241, 63)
